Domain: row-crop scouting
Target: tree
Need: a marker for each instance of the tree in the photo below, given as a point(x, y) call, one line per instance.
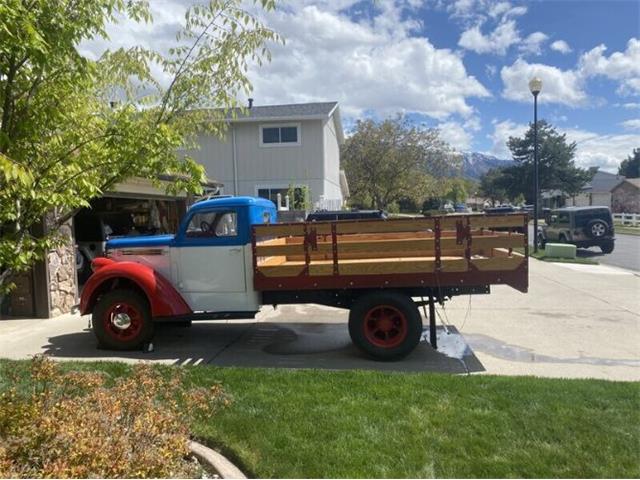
point(71, 128)
point(556, 166)
point(630, 167)
point(387, 162)
point(492, 186)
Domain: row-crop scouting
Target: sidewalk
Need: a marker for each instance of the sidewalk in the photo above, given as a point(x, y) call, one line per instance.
point(576, 321)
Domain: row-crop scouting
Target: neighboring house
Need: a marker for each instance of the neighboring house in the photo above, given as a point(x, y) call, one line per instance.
point(274, 147)
point(625, 197)
point(598, 191)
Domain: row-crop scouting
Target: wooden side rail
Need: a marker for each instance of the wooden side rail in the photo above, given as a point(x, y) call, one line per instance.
point(285, 254)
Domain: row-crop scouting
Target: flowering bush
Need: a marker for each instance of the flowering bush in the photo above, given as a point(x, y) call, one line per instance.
point(72, 424)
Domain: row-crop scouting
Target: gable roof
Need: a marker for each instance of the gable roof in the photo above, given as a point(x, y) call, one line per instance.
point(633, 181)
point(291, 112)
point(603, 182)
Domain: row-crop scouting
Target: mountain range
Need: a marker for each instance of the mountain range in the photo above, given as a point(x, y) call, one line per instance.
point(475, 164)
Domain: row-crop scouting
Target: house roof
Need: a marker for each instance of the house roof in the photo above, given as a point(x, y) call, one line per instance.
point(602, 182)
point(291, 112)
point(633, 181)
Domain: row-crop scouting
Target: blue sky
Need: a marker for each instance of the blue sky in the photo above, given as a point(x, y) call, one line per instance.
point(461, 66)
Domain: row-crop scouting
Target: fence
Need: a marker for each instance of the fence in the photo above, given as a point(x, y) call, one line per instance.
point(632, 219)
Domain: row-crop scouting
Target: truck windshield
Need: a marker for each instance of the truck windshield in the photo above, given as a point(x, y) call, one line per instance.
point(213, 224)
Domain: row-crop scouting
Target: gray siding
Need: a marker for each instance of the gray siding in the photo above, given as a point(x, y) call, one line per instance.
point(315, 162)
point(332, 192)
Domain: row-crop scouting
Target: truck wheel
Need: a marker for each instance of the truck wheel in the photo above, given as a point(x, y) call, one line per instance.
point(385, 325)
point(607, 247)
point(122, 320)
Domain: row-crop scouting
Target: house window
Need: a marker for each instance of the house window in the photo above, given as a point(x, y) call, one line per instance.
point(279, 135)
point(272, 194)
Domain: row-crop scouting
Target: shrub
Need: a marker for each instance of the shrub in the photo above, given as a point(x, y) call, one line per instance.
point(73, 424)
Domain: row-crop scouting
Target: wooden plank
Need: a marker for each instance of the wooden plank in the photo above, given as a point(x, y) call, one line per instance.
point(278, 230)
point(289, 269)
point(379, 226)
point(498, 263)
point(488, 221)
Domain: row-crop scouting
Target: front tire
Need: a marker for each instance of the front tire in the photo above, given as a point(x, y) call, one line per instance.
point(385, 325)
point(122, 320)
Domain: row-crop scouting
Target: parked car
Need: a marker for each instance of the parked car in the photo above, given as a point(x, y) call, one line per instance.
point(329, 215)
point(583, 227)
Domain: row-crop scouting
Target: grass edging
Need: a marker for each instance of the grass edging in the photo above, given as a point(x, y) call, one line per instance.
point(216, 461)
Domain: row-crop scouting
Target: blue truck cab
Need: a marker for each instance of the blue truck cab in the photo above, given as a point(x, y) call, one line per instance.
point(209, 260)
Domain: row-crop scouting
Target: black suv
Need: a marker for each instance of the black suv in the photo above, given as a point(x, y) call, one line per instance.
point(581, 226)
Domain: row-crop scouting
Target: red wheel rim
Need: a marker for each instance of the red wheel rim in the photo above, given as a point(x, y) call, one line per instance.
point(385, 326)
point(123, 321)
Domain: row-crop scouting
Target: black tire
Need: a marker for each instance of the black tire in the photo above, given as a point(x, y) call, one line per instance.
point(607, 247)
point(597, 228)
point(385, 325)
point(135, 308)
point(562, 239)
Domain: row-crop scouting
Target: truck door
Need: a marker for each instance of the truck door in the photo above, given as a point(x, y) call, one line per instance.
point(210, 261)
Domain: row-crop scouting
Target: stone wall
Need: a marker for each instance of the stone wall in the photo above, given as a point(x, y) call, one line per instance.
point(63, 288)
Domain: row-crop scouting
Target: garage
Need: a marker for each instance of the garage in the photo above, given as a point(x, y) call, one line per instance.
point(136, 207)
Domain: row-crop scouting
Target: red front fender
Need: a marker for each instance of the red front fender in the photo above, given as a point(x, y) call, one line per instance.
point(164, 300)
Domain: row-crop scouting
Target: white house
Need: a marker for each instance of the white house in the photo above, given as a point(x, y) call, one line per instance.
point(273, 147)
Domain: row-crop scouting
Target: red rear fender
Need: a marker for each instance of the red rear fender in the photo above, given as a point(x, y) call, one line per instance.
point(165, 301)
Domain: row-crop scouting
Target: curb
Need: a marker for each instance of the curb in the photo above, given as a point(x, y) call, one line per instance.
point(217, 461)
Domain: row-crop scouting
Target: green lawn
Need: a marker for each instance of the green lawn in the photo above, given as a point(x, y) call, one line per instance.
point(628, 230)
point(306, 423)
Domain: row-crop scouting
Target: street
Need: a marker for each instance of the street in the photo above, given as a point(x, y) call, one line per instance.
point(625, 255)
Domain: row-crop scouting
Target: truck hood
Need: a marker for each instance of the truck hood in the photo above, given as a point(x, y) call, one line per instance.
point(140, 241)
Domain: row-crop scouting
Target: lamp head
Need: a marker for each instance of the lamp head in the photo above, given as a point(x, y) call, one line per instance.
point(535, 85)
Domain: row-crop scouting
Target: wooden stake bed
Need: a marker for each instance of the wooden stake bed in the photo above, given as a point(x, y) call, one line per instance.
point(451, 250)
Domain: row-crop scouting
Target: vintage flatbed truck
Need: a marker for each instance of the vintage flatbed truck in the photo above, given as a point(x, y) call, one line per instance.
point(230, 257)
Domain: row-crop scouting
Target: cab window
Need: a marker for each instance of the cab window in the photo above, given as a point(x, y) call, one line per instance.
point(213, 224)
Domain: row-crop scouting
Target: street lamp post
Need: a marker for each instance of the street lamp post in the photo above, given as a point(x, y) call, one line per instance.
point(535, 85)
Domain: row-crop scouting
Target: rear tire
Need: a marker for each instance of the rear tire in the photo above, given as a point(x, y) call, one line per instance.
point(122, 320)
point(607, 247)
point(385, 325)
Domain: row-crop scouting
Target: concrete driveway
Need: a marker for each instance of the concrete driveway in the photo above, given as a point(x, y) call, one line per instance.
point(576, 321)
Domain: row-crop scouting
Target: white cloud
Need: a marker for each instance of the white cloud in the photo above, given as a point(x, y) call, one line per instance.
point(628, 105)
point(533, 43)
point(633, 124)
point(621, 66)
point(456, 135)
point(561, 46)
point(592, 149)
point(604, 151)
point(501, 133)
point(498, 41)
point(373, 65)
point(558, 86)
